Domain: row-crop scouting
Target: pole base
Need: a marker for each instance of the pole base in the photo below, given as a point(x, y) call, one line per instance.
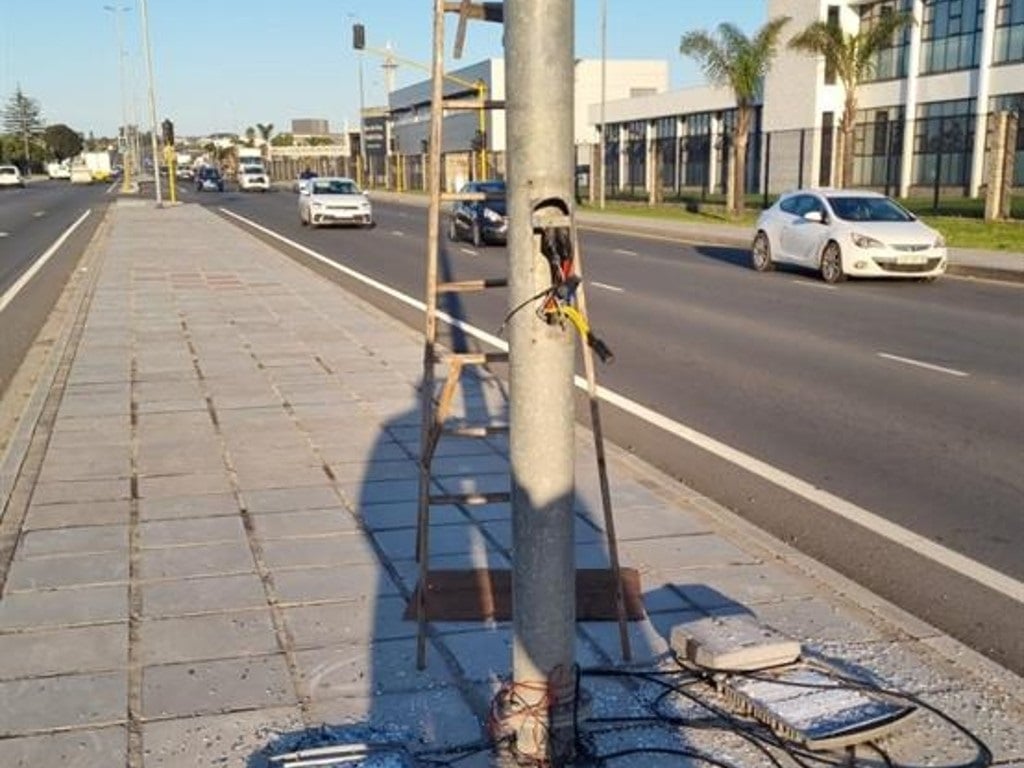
point(534, 726)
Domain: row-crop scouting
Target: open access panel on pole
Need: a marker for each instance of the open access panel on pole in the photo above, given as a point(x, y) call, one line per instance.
point(485, 593)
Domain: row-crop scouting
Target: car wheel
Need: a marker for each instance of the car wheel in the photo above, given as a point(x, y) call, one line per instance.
point(761, 254)
point(302, 220)
point(453, 232)
point(832, 264)
point(478, 236)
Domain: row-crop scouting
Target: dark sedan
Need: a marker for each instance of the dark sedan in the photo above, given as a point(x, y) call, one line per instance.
point(480, 221)
point(209, 179)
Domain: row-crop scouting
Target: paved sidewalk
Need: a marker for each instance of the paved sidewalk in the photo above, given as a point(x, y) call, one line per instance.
point(217, 548)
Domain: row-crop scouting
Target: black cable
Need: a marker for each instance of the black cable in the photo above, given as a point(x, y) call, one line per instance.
point(521, 305)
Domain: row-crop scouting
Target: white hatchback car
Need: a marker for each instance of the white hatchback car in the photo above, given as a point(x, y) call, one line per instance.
point(10, 176)
point(334, 200)
point(847, 233)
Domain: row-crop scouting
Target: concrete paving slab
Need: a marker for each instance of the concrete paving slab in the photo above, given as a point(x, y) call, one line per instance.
point(78, 491)
point(333, 584)
point(196, 560)
point(262, 475)
point(437, 717)
point(179, 507)
point(322, 496)
point(175, 459)
point(816, 620)
point(382, 517)
point(85, 748)
point(57, 516)
point(304, 524)
point(744, 585)
point(214, 741)
point(334, 549)
point(353, 473)
point(443, 539)
point(671, 551)
point(210, 636)
point(63, 607)
point(44, 573)
point(85, 540)
point(357, 671)
point(370, 619)
point(203, 530)
point(70, 650)
point(188, 484)
point(86, 463)
point(36, 704)
point(202, 595)
point(212, 687)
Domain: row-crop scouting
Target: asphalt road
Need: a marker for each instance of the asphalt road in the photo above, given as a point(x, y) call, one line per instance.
point(904, 399)
point(31, 221)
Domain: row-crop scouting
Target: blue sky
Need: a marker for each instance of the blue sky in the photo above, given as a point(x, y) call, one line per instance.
point(222, 65)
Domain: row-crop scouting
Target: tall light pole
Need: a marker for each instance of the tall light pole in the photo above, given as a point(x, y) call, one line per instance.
point(124, 144)
point(144, 21)
point(604, 95)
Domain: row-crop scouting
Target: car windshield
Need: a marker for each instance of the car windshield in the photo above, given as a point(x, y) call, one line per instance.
point(209, 173)
point(857, 208)
point(335, 187)
point(9, 171)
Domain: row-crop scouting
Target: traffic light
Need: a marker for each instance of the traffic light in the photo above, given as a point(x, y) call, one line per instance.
point(358, 37)
point(168, 132)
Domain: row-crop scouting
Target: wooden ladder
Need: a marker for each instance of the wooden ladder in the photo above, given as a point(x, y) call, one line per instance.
point(436, 410)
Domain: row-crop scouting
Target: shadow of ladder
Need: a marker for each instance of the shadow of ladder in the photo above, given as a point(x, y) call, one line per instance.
point(436, 410)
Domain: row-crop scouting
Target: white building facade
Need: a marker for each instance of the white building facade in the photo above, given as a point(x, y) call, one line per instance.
point(922, 114)
point(410, 106)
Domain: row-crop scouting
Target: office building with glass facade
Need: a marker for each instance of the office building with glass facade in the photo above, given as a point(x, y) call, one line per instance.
point(922, 110)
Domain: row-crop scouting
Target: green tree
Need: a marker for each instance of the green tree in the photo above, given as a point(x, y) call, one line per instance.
point(265, 129)
point(852, 56)
point(740, 62)
point(250, 136)
point(61, 141)
point(283, 140)
point(23, 117)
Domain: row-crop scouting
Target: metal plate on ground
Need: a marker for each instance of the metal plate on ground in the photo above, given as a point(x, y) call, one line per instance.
point(811, 707)
point(479, 594)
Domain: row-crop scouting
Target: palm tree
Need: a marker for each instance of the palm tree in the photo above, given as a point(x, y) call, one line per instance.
point(852, 57)
point(265, 129)
point(740, 62)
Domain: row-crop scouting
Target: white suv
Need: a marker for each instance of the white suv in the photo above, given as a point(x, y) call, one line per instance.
point(10, 176)
point(252, 177)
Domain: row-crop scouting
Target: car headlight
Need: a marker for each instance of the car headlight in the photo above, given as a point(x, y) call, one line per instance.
point(863, 241)
point(492, 216)
point(940, 242)
point(317, 204)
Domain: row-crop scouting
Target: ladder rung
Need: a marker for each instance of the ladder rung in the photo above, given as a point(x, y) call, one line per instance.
point(476, 430)
point(471, 499)
point(473, 104)
point(465, 286)
point(475, 358)
point(546, 221)
point(469, 197)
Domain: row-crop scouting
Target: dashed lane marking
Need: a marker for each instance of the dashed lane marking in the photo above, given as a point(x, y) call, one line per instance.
point(625, 252)
point(922, 364)
point(979, 572)
point(38, 214)
point(812, 284)
point(397, 233)
point(469, 251)
point(605, 286)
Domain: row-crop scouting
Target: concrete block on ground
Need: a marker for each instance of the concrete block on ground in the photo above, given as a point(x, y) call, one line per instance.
point(64, 607)
point(210, 636)
point(66, 701)
point(83, 748)
point(202, 595)
point(65, 651)
point(372, 619)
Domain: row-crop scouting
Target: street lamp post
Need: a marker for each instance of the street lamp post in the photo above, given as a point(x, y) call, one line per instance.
point(144, 20)
point(602, 165)
point(124, 144)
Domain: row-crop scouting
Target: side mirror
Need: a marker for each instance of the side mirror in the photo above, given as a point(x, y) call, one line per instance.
point(815, 216)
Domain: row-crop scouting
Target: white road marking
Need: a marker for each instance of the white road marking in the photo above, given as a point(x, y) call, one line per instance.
point(29, 273)
point(812, 284)
point(4, 234)
point(920, 364)
point(878, 525)
point(398, 233)
point(38, 214)
point(470, 251)
point(112, 187)
point(625, 252)
point(612, 288)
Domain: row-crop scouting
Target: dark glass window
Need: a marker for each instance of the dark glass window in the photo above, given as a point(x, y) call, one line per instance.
point(636, 155)
point(891, 61)
point(696, 150)
point(943, 142)
point(877, 142)
point(1009, 40)
point(665, 142)
point(951, 35)
point(832, 19)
